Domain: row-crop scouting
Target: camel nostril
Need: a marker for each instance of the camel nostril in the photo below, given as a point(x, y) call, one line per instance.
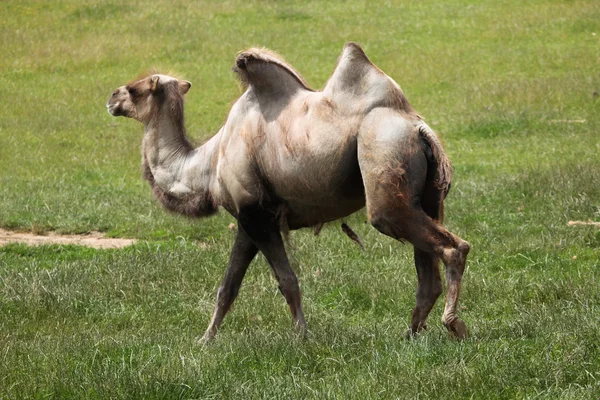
point(116, 92)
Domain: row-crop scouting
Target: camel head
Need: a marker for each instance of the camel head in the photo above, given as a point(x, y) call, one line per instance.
point(142, 99)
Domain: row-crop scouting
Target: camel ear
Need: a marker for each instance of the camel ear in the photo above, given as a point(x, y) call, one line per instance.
point(184, 86)
point(154, 83)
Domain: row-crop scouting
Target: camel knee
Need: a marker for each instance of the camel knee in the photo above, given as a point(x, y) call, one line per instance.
point(456, 256)
point(464, 247)
point(226, 295)
point(288, 286)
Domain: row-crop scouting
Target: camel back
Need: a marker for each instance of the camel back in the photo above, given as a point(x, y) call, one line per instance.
point(265, 69)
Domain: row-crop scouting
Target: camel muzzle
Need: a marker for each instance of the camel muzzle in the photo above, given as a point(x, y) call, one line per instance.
point(114, 109)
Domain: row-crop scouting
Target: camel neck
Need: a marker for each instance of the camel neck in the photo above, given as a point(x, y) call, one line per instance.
point(165, 142)
point(171, 164)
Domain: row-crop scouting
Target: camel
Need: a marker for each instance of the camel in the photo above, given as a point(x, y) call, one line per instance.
point(290, 157)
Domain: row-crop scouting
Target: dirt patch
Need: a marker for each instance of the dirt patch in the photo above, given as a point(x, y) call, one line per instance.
point(95, 239)
point(588, 222)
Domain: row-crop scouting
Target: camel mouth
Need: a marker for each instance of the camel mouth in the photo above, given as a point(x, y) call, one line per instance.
point(114, 109)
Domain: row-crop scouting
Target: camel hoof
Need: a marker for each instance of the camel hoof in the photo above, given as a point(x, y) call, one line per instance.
point(207, 338)
point(459, 329)
point(413, 333)
point(302, 332)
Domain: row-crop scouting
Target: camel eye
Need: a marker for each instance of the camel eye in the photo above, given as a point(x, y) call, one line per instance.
point(132, 91)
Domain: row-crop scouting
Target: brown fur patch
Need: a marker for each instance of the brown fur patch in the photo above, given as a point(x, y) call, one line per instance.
point(285, 133)
point(253, 137)
point(175, 101)
point(396, 100)
point(154, 71)
point(397, 179)
point(328, 102)
point(307, 134)
point(325, 110)
point(305, 107)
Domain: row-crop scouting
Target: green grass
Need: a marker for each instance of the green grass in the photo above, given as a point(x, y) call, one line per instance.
point(500, 81)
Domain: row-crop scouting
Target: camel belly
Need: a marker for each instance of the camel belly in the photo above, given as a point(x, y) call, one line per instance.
point(300, 215)
point(314, 171)
point(321, 196)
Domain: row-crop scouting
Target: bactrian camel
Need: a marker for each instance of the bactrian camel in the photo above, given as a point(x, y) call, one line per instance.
point(290, 157)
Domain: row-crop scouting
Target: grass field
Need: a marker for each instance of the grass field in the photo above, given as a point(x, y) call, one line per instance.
point(512, 86)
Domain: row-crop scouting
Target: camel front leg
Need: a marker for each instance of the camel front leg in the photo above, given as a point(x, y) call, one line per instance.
point(262, 227)
point(242, 254)
point(288, 282)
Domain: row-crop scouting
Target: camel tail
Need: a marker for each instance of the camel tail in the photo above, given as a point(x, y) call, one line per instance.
point(443, 177)
point(352, 235)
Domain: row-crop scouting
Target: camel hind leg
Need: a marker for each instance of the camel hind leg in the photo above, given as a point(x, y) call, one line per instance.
point(428, 290)
point(405, 222)
point(430, 285)
point(394, 166)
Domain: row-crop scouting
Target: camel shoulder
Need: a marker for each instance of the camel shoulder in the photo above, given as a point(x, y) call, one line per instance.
point(263, 68)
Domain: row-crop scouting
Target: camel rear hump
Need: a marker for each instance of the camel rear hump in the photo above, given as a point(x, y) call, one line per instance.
point(355, 76)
